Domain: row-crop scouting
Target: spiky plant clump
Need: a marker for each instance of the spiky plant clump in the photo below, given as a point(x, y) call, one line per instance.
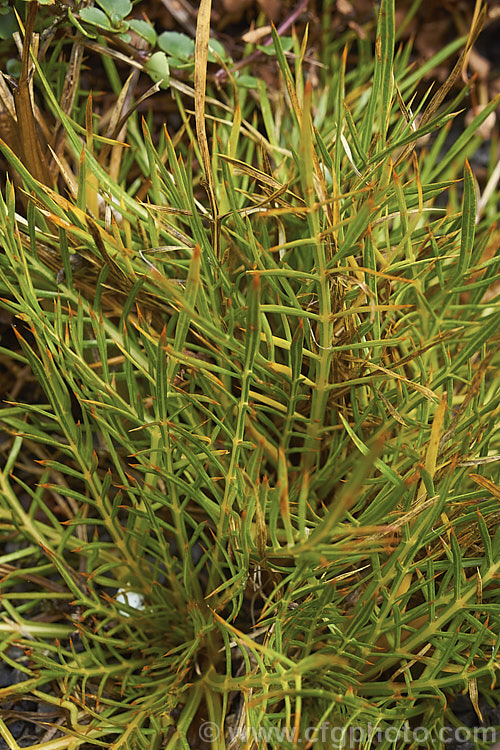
point(268, 390)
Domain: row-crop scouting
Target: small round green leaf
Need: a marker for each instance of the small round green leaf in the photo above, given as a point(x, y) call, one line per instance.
point(144, 29)
point(158, 70)
point(174, 62)
point(8, 23)
point(95, 17)
point(120, 8)
point(218, 50)
point(176, 45)
point(13, 67)
point(248, 82)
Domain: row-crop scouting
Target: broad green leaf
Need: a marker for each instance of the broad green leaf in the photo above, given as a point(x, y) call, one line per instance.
point(177, 45)
point(95, 17)
point(214, 46)
point(144, 29)
point(250, 82)
point(158, 69)
point(119, 8)
point(8, 23)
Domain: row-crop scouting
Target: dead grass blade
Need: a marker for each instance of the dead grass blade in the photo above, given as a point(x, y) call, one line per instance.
point(443, 90)
point(33, 155)
point(200, 82)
